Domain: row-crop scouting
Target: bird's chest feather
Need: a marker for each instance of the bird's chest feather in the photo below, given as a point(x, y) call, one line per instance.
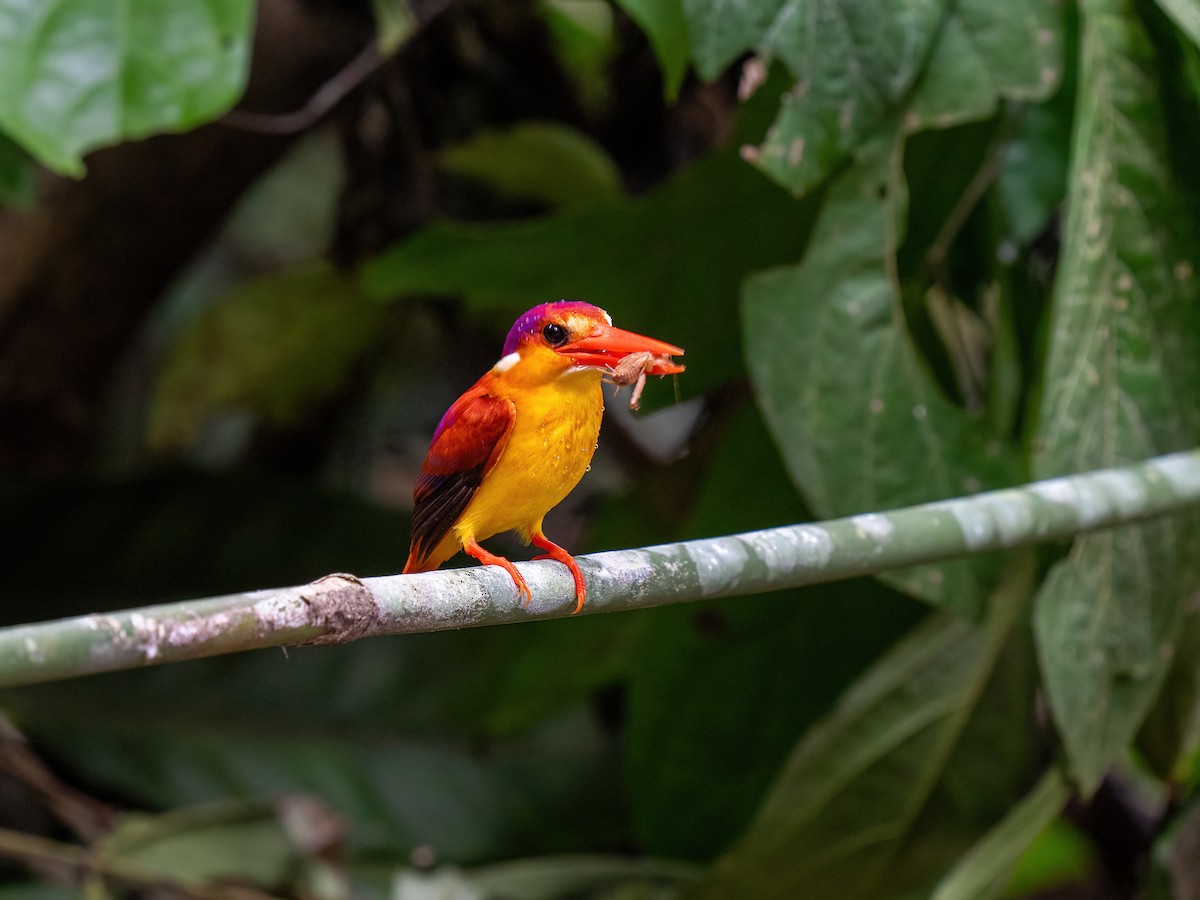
point(550, 448)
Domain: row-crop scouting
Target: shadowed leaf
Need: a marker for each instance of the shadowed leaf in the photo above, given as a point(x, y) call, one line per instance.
point(1121, 375)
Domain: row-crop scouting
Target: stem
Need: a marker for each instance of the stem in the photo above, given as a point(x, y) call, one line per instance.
point(342, 608)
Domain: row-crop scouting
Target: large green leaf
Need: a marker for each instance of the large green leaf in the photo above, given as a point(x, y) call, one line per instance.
point(853, 62)
point(891, 787)
point(1121, 376)
point(860, 421)
point(80, 74)
point(985, 52)
point(857, 63)
point(276, 347)
point(668, 264)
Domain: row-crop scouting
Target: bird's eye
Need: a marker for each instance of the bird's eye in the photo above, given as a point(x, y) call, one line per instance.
point(554, 334)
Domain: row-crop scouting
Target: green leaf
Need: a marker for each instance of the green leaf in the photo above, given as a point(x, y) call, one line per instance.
point(276, 346)
point(17, 174)
point(984, 872)
point(1121, 374)
point(860, 421)
point(1032, 184)
point(667, 264)
point(80, 74)
point(1171, 733)
point(394, 24)
point(890, 788)
point(1185, 14)
point(854, 62)
point(543, 161)
point(700, 695)
point(250, 843)
point(984, 52)
point(666, 25)
point(858, 63)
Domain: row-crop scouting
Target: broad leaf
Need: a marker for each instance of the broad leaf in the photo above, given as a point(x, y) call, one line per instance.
point(857, 63)
point(860, 421)
point(275, 347)
point(853, 62)
point(985, 52)
point(80, 74)
point(882, 795)
point(1121, 376)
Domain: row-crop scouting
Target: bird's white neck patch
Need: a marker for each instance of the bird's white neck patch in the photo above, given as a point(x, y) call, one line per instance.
point(506, 362)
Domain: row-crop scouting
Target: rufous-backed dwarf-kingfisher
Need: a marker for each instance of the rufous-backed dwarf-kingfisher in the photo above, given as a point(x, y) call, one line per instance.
point(514, 445)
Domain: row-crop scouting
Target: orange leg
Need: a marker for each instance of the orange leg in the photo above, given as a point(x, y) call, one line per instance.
point(491, 559)
point(555, 552)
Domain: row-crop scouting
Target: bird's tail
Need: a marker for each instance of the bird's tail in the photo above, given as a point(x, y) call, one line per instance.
point(432, 557)
point(417, 564)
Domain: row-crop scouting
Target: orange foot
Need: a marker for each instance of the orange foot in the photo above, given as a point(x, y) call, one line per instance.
point(491, 559)
point(555, 552)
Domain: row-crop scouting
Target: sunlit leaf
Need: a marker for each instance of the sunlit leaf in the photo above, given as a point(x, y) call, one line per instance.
point(80, 74)
point(1121, 375)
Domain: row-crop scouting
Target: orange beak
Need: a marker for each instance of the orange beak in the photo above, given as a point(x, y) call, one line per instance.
point(606, 346)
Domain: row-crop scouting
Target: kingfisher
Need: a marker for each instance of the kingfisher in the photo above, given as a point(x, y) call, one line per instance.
point(515, 444)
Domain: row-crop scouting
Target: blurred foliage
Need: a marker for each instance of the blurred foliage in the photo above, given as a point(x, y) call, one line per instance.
point(77, 75)
point(913, 250)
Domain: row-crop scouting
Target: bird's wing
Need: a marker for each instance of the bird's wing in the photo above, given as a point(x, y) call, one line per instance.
point(465, 446)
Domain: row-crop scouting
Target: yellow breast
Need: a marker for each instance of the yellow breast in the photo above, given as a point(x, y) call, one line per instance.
point(550, 447)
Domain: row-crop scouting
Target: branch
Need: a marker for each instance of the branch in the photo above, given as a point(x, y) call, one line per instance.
point(342, 608)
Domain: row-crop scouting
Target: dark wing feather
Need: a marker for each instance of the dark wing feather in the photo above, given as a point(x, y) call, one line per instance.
point(466, 444)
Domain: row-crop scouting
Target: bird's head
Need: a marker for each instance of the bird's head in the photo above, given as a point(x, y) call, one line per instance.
point(553, 339)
